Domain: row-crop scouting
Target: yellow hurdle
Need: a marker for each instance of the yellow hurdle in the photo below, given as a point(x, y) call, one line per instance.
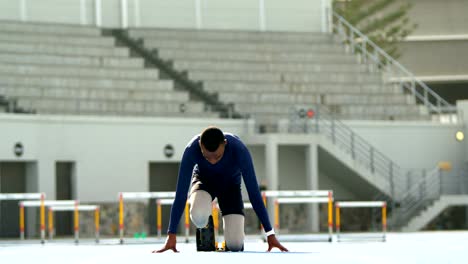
point(96, 223)
point(330, 215)
point(121, 217)
point(21, 221)
point(51, 223)
point(187, 222)
point(337, 220)
point(77, 222)
point(384, 219)
point(158, 217)
point(42, 216)
point(215, 223)
point(276, 215)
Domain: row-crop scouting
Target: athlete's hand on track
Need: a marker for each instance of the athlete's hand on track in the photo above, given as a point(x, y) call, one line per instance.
point(171, 241)
point(274, 243)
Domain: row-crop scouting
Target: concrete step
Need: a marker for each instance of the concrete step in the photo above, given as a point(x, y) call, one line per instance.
point(379, 110)
point(86, 72)
point(271, 120)
point(88, 41)
point(285, 78)
point(307, 88)
point(298, 98)
point(370, 111)
point(175, 54)
point(364, 99)
point(84, 61)
point(94, 93)
point(112, 107)
point(49, 28)
point(7, 47)
point(37, 81)
point(232, 35)
point(253, 66)
point(273, 47)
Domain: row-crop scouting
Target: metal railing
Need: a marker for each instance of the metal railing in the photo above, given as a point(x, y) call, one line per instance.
point(418, 195)
point(407, 192)
point(426, 189)
point(360, 43)
point(322, 120)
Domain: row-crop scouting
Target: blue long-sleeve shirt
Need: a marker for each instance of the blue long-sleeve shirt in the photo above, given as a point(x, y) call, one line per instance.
point(235, 163)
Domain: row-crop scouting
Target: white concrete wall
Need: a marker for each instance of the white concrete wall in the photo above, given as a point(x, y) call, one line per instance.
point(436, 17)
point(273, 15)
point(110, 154)
point(414, 144)
point(432, 56)
point(292, 168)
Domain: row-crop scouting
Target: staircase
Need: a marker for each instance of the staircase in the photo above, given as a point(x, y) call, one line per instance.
point(433, 210)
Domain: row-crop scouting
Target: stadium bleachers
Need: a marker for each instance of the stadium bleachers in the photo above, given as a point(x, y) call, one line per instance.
point(264, 74)
point(64, 69)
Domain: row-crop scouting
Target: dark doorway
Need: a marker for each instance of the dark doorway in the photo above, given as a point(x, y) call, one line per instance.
point(12, 180)
point(162, 178)
point(64, 191)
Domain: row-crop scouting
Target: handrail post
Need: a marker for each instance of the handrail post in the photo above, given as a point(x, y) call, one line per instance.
point(377, 60)
point(440, 182)
point(364, 50)
point(317, 118)
point(352, 42)
point(371, 161)
point(333, 129)
point(392, 182)
point(426, 98)
point(341, 30)
point(413, 87)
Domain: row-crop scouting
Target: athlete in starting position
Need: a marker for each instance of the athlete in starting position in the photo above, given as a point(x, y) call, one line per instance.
point(216, 161)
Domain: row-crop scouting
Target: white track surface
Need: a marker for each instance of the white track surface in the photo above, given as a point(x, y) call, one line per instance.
point(427, 248)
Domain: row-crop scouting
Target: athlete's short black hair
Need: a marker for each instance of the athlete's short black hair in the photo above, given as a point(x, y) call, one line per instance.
point(211, 137)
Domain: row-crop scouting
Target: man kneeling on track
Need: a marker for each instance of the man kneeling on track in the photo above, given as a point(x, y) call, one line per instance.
point(216, 161)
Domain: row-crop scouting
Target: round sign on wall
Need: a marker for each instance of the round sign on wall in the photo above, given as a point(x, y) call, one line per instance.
point(18, 149)
point(168, 151)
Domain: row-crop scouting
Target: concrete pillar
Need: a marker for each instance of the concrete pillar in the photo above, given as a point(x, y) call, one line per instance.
point(46, 178)
point(313, 184)
point(271, 170)
point(32, 214)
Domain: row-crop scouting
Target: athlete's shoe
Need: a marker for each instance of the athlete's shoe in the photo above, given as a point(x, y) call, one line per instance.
point(205, 237)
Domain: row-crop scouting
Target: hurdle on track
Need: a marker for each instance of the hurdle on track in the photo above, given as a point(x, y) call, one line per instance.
point(135, 196)
point(44, 203)
point(361, 204)
point(76, 209)
point(215, 214)
point(167, 198)
point(28, 196)
point(301, 200)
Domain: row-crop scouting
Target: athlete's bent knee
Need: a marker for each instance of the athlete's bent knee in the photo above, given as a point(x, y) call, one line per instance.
point(235, 245)
point(200, 209)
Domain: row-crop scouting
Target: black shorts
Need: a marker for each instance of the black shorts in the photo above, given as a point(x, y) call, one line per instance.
point(229, 198)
